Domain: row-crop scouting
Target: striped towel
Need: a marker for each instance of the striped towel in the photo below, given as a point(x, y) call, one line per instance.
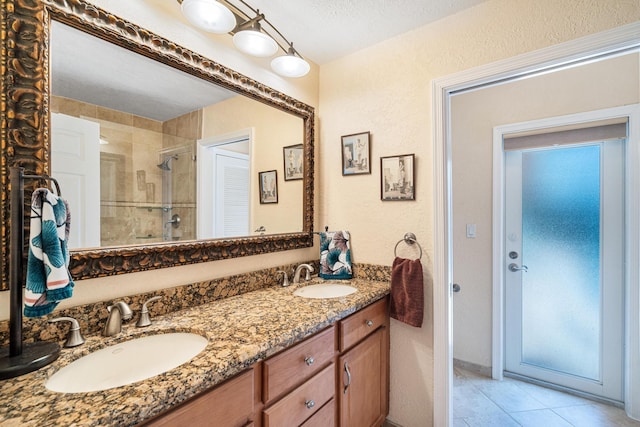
point(335, 255)
point(48, 278)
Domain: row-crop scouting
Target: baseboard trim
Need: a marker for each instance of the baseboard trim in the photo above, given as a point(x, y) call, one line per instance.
point(388, 423)
point(485, 371)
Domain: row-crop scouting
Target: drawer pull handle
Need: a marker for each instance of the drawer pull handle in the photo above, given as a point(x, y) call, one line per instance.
point(309, 404)
point(309, 360)
point(369, 323)
point(348, 383)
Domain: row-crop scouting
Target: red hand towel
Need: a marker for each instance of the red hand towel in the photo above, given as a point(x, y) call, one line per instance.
point(407, 291)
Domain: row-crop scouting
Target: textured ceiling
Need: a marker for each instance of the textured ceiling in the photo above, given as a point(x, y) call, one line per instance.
point(91, 70)
point(325, 30)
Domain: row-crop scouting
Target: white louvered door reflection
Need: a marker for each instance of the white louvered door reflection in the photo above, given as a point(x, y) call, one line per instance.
point(231, 194)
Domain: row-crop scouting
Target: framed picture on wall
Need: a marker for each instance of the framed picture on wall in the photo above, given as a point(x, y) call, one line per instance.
point(356, 154)
point(268, 186)
point(293, 164)
point(397, 177)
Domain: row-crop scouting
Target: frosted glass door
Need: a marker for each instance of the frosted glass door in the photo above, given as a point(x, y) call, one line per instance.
point(564, 269)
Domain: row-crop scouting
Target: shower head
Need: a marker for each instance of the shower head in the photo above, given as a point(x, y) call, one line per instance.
point(165, 163)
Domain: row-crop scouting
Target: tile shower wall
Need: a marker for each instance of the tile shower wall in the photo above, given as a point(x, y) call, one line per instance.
point(132, 207)
point(179, 137)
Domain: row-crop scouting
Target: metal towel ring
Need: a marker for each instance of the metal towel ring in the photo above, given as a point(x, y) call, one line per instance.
point(409, 238)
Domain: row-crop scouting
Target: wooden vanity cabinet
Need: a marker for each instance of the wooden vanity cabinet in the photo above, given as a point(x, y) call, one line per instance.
point(231, 404)
point(298, 383)
point(290, 368)
point(303, 403)
point(363, 367)
point(338, 377)
point(361, 394)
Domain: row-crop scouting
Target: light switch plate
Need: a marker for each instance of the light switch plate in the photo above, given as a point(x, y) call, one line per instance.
point(471, 231)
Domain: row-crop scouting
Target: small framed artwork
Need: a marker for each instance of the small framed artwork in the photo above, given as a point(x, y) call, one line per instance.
point(268, 186)
point(397, 177)
point(356, 154)
point(293, 164)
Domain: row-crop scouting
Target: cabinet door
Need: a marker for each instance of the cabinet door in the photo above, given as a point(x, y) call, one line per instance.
point(228, 405)
point(361, 383)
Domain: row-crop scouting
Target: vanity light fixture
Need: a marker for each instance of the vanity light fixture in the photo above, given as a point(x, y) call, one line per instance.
point(290, 65)
point(249, 36)
point(208, 15)
point(250, 39)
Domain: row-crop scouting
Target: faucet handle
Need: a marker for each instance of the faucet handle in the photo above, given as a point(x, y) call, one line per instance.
point(74, 337)
point(309, 271)
point(285, 279)
point(144, 319)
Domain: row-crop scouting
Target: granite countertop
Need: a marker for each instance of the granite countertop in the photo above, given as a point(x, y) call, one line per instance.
point(241, 331)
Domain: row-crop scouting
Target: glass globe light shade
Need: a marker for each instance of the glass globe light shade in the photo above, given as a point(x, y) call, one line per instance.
point(254, 42)
point(209, 15)
point(290, 66)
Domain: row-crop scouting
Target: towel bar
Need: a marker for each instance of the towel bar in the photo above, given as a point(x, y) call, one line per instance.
point(409, 238)
point(21, 358)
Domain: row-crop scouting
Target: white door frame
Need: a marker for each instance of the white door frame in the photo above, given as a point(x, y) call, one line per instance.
point(631, 200)
point(587, 48)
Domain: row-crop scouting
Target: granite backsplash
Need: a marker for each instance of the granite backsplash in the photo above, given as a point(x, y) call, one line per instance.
point(92, 317)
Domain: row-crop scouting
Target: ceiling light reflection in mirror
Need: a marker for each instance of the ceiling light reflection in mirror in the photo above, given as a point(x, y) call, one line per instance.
point(125, 136)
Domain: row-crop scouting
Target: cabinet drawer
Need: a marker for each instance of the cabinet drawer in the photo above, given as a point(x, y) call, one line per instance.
point(325, 417)
point(294, 366)
point(303, 402)
point(230, 404)
point(362, 323)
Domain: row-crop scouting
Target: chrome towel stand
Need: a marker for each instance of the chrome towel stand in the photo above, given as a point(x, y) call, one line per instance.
point(21, 358)
point(410, 239)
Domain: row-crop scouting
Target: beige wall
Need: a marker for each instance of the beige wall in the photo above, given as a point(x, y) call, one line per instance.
point(273, 130)
point(593, 86)
point(386, 89)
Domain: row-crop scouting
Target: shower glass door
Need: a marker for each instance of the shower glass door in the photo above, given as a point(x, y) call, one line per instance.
point(565, 266)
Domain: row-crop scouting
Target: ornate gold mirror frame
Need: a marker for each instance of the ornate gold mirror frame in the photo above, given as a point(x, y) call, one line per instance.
point(24, 118)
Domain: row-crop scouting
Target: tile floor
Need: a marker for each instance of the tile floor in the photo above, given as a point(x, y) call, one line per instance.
point(479, 401)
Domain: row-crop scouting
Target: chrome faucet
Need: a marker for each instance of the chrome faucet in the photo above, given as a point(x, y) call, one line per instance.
point(74, 337)
point(144, 319)
point(118, 312)
point(285, 278)
point(296, 273)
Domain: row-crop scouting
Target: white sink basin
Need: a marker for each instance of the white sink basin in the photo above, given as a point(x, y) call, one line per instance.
point(325, 290)
point(127, 362)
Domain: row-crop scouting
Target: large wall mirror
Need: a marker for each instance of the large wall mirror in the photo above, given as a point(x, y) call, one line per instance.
point(157, 149)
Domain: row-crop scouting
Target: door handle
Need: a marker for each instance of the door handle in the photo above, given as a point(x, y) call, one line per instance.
point(514, 268)
point(348, 383)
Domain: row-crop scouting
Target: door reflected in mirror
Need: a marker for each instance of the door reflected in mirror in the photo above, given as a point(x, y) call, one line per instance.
point(148, 154)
